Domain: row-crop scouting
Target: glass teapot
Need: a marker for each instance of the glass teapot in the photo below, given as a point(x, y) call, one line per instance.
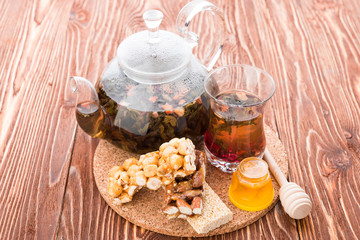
point(152, 91)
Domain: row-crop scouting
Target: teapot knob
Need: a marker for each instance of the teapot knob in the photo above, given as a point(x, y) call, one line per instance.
point(153, 20)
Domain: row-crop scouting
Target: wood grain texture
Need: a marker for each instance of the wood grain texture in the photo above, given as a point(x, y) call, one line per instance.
point(311, 48)
point(34, 152)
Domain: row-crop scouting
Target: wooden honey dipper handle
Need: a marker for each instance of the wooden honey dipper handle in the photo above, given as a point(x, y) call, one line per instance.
point(293, 198)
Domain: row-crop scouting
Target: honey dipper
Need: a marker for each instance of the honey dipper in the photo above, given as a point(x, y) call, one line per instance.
point(293, 198)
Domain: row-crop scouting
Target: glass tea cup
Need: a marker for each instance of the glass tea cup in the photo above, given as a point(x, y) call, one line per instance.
point(237, 95)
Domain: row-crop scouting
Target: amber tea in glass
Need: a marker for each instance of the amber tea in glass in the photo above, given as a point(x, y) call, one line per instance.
point(237, 133)
point(90, 118)
point(237, 96)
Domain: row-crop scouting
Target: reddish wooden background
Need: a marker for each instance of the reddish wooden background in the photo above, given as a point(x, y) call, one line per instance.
point(310, 47)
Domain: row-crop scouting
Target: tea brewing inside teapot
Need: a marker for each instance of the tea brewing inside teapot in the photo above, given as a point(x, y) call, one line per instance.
point(152, 97)
point(152, 90)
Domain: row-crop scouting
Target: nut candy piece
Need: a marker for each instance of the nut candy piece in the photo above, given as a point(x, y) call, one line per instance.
point(196, 205)
point(115, 172)
point(114, 189)
point(173, 167)
point(168, 151)
point(176, 196)
point(183, 206)
point(172, 216)
point(170, 210)
point(150, 170)
point(131, 190)
point(190, 194)
point(184, 186)
point(176, 161)
point(166, 181)
point(149, 158)
point(180, 174)
point(124, 178)
point(163, 170)
point(140, 179)
point(125, 198)
point(198, 179)
point(129, 162)
point(183, 191)
point(174, 142)
point(153, 183)
point(189, 164)
point(182, 216)
point(132, 170)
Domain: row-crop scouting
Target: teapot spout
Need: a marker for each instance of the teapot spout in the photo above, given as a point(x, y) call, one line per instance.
point(89, 114)
point(83, 89)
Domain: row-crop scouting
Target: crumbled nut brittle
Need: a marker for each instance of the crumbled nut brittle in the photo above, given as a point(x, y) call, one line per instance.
point(176, 166)
point(126, 180)
point(186, 192)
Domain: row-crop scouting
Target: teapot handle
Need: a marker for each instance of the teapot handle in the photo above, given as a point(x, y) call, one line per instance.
point(183, 20)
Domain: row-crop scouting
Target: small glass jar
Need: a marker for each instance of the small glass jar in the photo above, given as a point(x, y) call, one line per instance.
point(251, 187)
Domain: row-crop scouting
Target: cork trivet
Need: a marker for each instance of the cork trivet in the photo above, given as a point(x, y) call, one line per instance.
point(145, 209)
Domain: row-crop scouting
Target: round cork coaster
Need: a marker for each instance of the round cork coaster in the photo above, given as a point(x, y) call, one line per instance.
point(145, 208)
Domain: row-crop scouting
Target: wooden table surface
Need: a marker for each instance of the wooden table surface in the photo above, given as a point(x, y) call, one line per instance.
point(310, 47)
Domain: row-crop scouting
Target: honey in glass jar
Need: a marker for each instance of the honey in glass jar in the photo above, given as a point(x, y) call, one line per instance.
point(251, 188)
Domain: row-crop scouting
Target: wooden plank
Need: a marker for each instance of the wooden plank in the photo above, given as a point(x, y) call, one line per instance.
point(85, 214)
point(315, 50)
point(37, 129)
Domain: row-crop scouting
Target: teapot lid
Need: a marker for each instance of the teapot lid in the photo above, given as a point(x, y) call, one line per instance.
point(154, 56)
